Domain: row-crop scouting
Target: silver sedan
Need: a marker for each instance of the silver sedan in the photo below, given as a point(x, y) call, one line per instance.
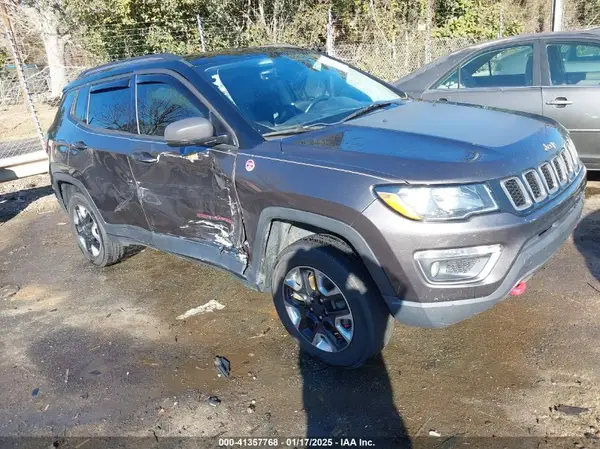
point(556, 75)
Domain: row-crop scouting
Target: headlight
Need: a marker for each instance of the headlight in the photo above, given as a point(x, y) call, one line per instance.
point(437, 203)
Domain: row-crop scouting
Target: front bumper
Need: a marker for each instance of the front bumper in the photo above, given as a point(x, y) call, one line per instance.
point(528, 242)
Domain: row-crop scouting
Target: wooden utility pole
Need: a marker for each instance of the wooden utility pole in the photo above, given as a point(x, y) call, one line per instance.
point(8, 29)
point(428, 32)
point(329, 37)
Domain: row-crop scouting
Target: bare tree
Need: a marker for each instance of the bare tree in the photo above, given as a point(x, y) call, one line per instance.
point(47, 18)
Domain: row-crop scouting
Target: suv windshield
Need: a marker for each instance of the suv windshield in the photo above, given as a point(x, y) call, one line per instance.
point(283, 90)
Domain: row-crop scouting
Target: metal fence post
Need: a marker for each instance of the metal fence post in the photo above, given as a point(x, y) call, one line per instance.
point(20, 74)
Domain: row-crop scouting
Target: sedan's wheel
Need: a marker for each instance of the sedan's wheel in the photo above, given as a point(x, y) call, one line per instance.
point(326, 299)
point(87, 231)
point(318, 309)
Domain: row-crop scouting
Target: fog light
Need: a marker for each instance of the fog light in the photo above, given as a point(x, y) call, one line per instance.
point(458, 264)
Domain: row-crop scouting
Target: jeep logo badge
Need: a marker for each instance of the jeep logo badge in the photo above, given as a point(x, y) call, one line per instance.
point(549, 146)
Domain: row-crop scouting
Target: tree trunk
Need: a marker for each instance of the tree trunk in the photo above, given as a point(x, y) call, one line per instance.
point(55, 55)
point(45, 19)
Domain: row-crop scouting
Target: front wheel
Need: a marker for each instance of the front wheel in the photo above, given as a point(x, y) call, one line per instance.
point(328, 302)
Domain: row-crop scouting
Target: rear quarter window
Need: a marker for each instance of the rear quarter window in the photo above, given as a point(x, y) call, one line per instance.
point(80, 109)
point(63, 108)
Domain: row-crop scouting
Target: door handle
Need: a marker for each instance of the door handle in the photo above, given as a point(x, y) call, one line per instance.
point(144, 156)
point(443, 100)
point(560, 102)
point(79, 146)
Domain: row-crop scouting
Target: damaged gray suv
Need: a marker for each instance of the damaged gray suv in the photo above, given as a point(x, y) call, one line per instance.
point(307, 178)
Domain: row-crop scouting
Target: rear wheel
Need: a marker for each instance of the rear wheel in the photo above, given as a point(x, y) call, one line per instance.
point(93, 241)
point(328, 302)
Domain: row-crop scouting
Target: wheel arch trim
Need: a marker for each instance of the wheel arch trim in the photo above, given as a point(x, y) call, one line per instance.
point(271, 214)
point(64, 178)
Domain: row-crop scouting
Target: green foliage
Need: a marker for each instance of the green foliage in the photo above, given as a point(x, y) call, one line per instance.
point(113, 29)
point(477, 19)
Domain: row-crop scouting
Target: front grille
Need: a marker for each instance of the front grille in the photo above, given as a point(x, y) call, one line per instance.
point(514, 189)
point(560, 170)
point(549, 177)
point(566, 157)
point(535, 185)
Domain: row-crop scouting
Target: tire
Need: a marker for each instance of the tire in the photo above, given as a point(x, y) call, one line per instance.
point(371, 324)
point(105, 250)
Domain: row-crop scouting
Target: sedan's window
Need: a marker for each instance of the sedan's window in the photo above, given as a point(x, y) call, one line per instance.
point(290, 89)
point(574, 64)
point(162, 103)
point(450, 82)
point(506, 67)
point(110, 108)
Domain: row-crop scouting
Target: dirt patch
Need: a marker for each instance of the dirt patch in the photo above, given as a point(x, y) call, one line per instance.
point(16, 122)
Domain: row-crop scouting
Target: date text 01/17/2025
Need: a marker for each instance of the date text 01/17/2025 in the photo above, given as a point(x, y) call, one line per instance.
point(296, 442)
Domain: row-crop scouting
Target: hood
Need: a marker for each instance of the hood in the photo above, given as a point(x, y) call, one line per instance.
point(423, 142)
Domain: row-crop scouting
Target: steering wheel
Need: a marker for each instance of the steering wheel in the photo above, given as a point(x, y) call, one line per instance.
point(315, 101)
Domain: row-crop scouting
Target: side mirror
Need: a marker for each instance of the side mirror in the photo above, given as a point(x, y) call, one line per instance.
point(192, 131)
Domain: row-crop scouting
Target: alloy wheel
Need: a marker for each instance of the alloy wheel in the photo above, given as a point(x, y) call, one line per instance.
point(87, 230)
point(318, 309)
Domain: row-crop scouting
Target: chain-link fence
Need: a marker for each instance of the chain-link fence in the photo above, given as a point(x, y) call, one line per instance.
point(386, 57)
point(393, 61)
point(18, 130)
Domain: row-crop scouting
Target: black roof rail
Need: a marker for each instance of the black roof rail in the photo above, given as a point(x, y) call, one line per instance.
point(124, 62)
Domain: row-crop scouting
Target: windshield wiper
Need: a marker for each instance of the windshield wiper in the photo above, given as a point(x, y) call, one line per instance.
point(367, 109)
point(304, 128)
point(294, 130)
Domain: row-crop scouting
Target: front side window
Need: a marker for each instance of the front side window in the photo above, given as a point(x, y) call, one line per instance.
point(507, 67)
point(110, 107)
point(450, 82)
point(280, 90)
point(163, 100)
point(575, 64)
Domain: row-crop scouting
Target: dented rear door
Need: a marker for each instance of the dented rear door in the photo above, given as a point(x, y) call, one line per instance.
point(100, 145)
point(186, 192)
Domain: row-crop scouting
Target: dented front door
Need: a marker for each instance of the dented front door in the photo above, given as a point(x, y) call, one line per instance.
point(188, 193)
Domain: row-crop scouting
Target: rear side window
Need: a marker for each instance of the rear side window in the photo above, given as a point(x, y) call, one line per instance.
point(110, 106)
point(162, 100)
point(80, 110)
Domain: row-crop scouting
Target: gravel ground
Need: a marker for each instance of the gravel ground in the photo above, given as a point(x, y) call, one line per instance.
point(99, 352)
